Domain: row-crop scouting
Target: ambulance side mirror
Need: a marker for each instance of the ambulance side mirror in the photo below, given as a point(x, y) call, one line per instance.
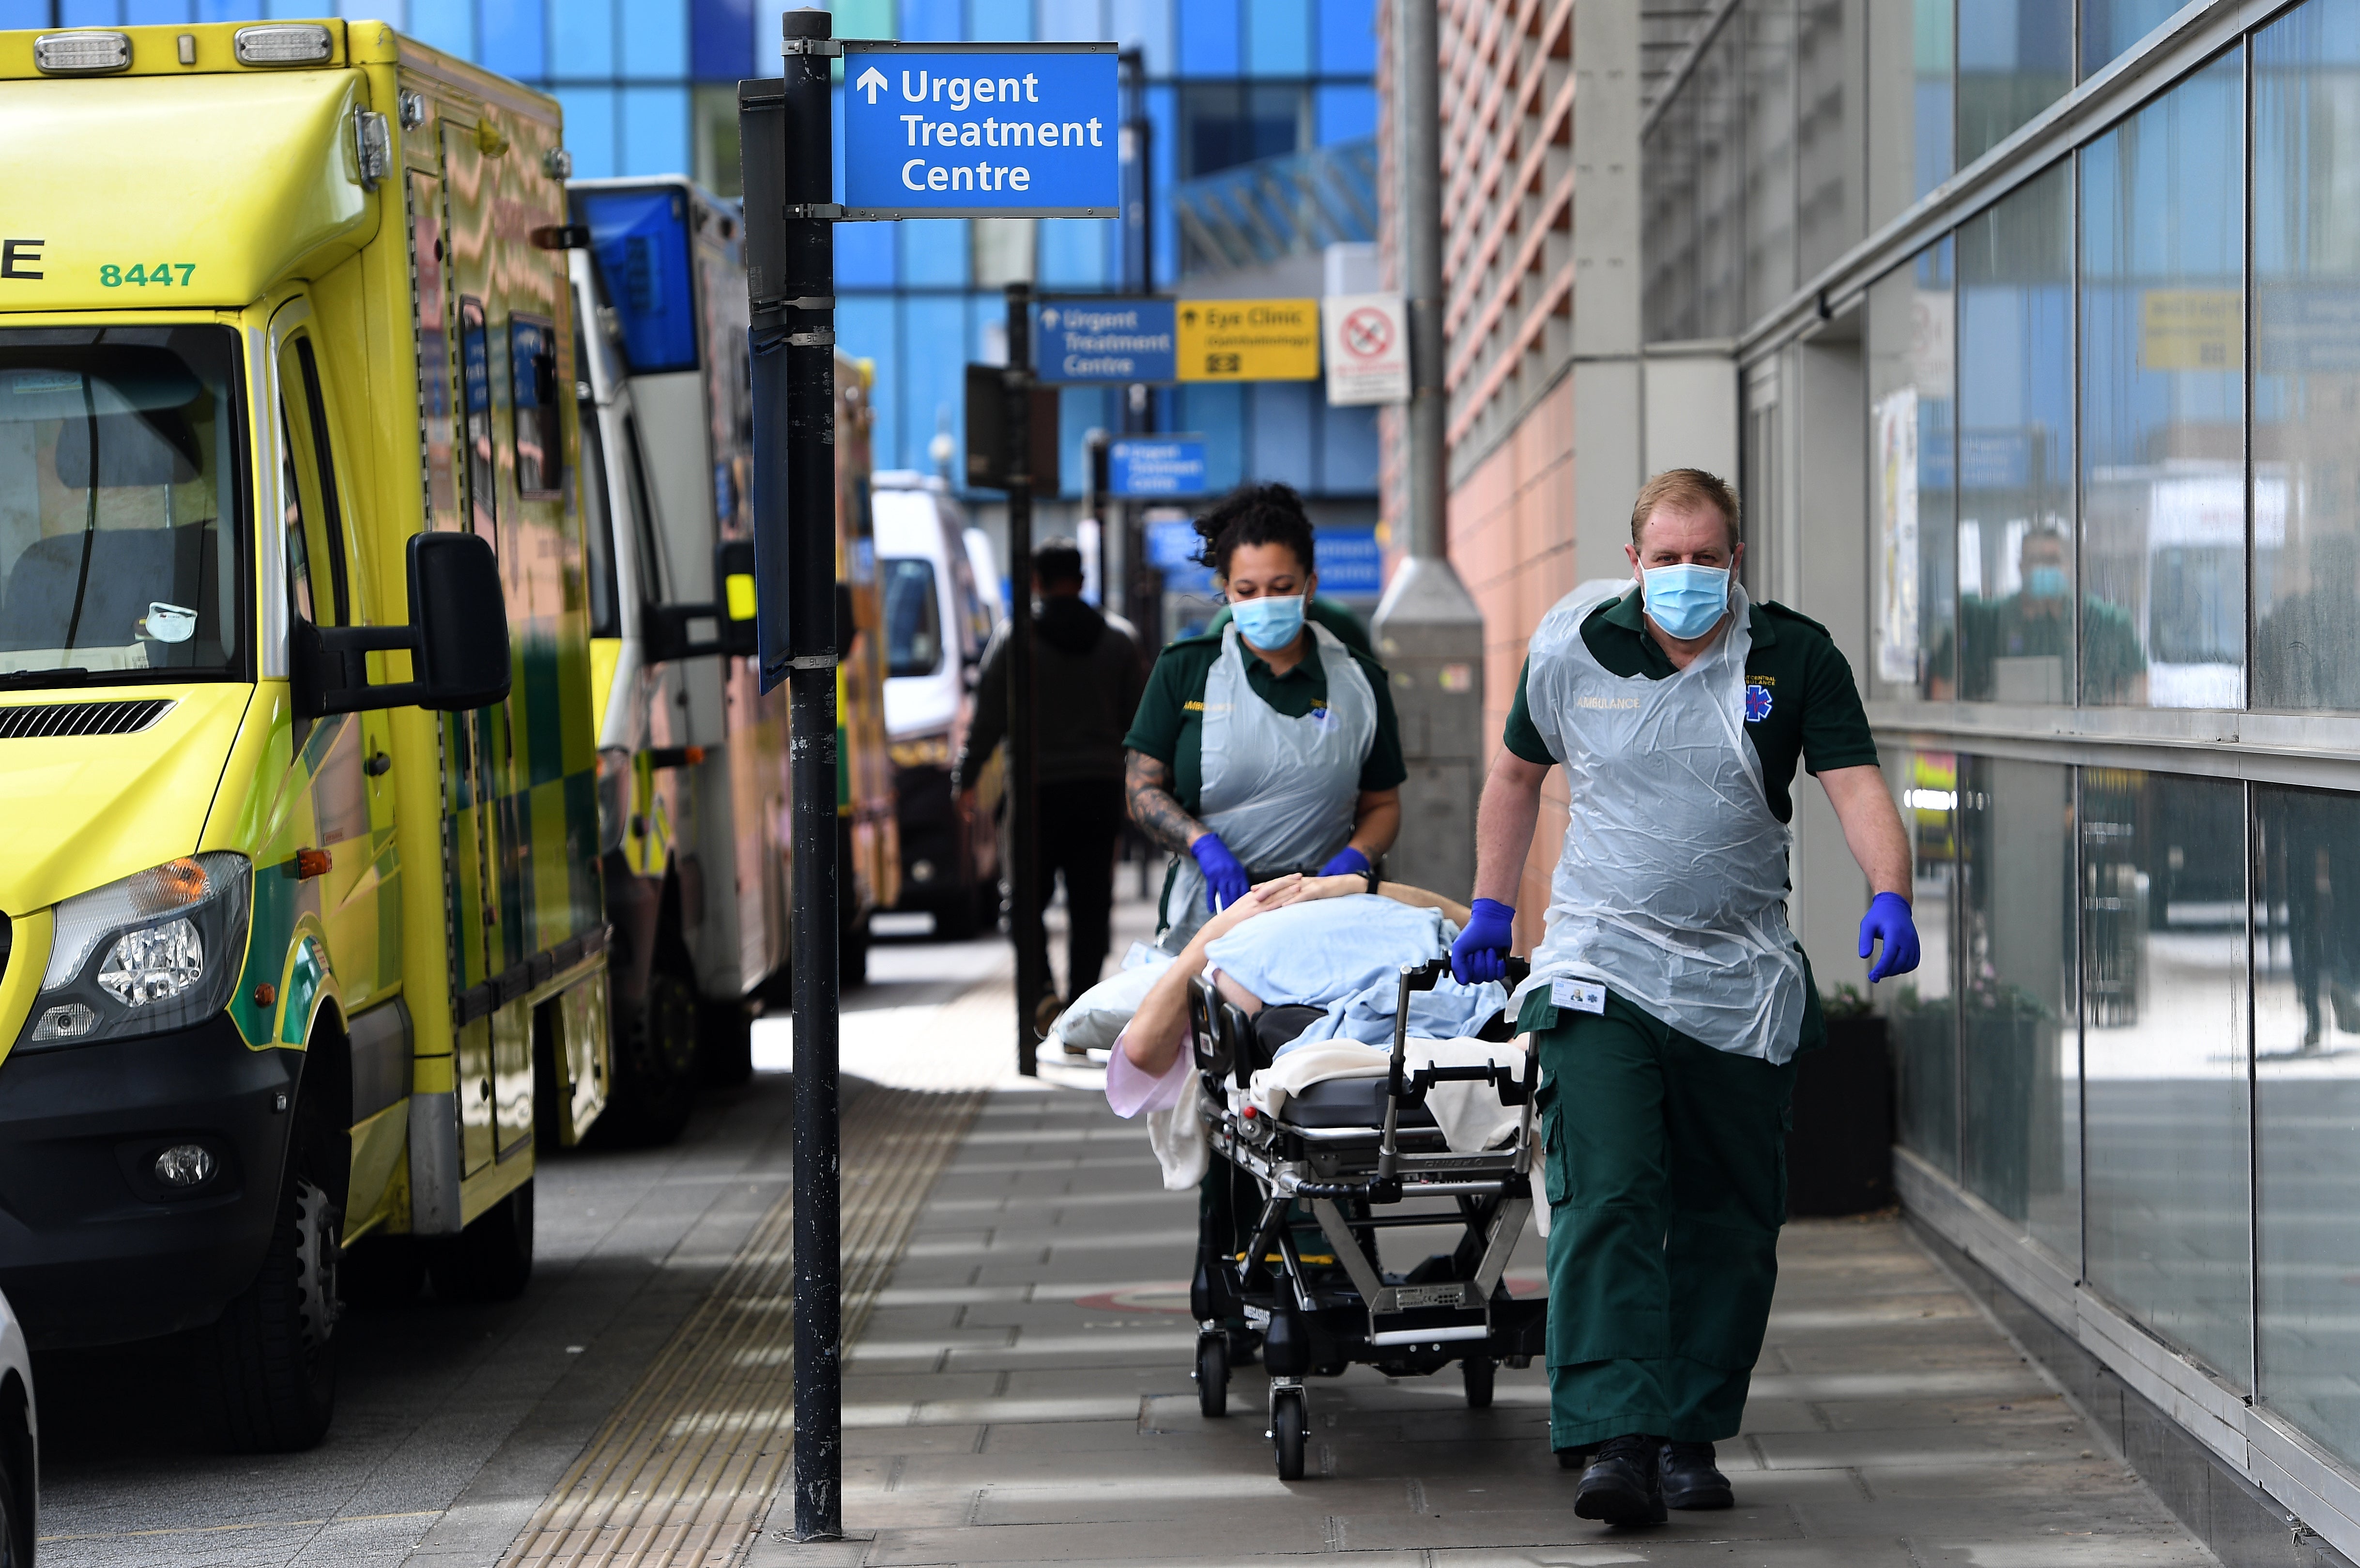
point(457, 639)
point(726, 626)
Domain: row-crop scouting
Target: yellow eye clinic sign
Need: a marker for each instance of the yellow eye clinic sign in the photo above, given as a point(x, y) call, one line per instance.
point(1249, 340)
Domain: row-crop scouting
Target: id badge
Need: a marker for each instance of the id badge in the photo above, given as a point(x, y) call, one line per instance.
point(1580, 995)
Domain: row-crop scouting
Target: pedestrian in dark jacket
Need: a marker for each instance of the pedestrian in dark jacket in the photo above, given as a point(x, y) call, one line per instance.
point(1087, 676)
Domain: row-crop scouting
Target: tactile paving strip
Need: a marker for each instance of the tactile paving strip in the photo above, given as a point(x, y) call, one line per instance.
point(683, 1471)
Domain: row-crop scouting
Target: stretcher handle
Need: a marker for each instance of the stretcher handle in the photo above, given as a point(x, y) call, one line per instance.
point(1415, 978)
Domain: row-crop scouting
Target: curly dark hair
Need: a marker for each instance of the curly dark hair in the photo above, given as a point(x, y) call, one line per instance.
point(1254, 514)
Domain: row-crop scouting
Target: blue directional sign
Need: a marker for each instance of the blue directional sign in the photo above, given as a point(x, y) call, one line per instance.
point(1172, 546)
point(1105, 340)
point(981, 130)
point(1156, 466)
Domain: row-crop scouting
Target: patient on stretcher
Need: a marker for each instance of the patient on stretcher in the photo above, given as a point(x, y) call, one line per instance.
point(1320, 946)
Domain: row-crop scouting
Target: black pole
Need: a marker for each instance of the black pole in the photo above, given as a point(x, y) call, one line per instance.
point(1023, 813)
point(792, 280)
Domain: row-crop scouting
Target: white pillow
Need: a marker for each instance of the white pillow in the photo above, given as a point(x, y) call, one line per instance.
point(1095, 1017)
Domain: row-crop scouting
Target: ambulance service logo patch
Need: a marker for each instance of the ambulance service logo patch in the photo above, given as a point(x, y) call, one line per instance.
point(1757, 702)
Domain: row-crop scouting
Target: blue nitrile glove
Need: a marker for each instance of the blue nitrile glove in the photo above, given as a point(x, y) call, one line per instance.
point(1225, 880)
point(1888, 918)
point(1482, 951)
point(1346, 862)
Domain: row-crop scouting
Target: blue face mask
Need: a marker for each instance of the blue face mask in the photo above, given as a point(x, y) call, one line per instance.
point(1687, 600)
point(1269, 622)
point(2046, 582)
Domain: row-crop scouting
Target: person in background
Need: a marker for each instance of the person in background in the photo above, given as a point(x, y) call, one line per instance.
point(2018, 645)
point(1269, 746)
point(1086, 681)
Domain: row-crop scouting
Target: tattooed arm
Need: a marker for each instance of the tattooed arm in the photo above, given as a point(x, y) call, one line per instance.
point(1147, 793)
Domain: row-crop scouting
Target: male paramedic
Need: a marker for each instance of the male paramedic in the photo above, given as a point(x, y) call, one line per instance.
point(1668, 997)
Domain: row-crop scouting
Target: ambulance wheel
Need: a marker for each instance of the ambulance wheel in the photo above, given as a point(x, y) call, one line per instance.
point(1288, 1421)
point(656, 1065)
point(491, 1260)
point(1213, 1375)
point(727, 1058)
point(1478, 1371)
point(274, 1347)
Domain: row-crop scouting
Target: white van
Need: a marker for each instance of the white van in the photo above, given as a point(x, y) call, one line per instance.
point(938, 619)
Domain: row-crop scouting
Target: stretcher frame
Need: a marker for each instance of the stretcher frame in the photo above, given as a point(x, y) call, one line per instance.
point(1320, 1324)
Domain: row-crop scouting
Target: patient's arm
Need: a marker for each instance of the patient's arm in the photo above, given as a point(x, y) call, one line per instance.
point(1308, 888)
point(1158, 1030)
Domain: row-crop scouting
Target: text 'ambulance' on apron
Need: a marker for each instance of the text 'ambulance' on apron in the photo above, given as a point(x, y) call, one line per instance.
point(1282, 793)
point(1672, 884)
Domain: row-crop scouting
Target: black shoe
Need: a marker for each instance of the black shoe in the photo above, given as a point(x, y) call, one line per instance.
point(1689, 1478)
point(1621, 1485)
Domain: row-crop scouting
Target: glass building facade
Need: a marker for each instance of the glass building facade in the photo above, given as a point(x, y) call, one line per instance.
point(2083, 295)
point(1231, 87)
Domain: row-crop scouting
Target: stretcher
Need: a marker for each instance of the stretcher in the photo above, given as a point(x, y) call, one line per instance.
point(1351, 1157)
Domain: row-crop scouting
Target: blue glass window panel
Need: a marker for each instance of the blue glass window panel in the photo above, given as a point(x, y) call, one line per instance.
point(1278, 37)
point(721, 39)
point(581, 39)
point(1348, 451)
point(864, 256)
point(854, 20)
point(867, 326)
point(512, 34)
point(655, 46)
point(1073, 21)
point(446, 24)
point(1074, 252)
point(159, 13)
point(1080, 410)
point(1345, 114)
point(655, 131)
point(84, 14)
point(24, 13)
point(638, 242)
point(589, 129)
point(1219, 414)
point(1280, 428)
point(935, 250)
point(294, 10)
point(1145, 25)
point(2109, 28)
point(936, 381)
point(243, 10)
point(1348, 37)
point(1208, 37)
point(930, 21)
point(999, 21)
point(1163, 114)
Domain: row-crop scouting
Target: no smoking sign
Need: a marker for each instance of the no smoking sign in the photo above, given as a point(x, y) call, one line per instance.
point(1368, 348)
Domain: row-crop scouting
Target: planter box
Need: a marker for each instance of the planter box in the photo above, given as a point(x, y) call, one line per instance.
point(1840, 1154)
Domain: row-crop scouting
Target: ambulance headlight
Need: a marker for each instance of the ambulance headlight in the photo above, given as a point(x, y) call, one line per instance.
point(160, 950)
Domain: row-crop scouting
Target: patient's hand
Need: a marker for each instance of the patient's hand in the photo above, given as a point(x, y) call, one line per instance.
point(1295, 888)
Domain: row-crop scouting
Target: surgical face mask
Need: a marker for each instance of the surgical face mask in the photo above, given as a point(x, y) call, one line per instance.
point(2046, 582)
point(1269, 622)
point(1687, 600)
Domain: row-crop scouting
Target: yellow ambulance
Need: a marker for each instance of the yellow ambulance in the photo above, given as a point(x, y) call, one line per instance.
point(304, 932)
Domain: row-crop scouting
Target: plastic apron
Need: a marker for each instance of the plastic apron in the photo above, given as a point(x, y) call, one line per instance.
point(1672, 884)
point(1282, 793)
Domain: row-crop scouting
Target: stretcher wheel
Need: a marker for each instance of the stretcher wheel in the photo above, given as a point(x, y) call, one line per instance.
point(1213, 1375)
point(1288, 1419)
point(1478, 1371)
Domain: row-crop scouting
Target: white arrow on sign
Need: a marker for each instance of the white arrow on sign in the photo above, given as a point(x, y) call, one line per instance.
point(871, 82)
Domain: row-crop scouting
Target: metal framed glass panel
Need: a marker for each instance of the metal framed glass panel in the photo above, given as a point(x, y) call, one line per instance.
point(1921, 1010)
point(2163, 434)
point(2015, 451)
point(2109, 29)
point(2306, 360)
point(2016, 58)
point(2020, 1067)
point(2164, 1058)
point(2306, 914)
point(1913, 555)
point(1912, 110)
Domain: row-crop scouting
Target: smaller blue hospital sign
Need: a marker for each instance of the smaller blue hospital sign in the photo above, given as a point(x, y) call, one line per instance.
point(937, 130)
point(1152, 467)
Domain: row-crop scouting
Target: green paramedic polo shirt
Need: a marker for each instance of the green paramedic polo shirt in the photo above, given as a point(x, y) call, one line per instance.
point(1800, 706)
point(1170, 724)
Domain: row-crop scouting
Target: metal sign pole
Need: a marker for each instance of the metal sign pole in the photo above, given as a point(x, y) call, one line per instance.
point(1023, 799)
point(794, 328)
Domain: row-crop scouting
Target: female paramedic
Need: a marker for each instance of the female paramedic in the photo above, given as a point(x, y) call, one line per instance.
point(1268, 746)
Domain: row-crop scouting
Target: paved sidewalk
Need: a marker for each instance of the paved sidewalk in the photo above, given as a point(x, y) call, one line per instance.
point(1022, 1394)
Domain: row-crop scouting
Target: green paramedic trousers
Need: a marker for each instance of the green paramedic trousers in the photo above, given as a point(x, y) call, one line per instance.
point(1666, 1177)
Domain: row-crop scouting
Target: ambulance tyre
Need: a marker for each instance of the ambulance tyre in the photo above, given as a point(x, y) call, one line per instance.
point(1288, 1421)
point(491, 1260)
point(655, 1065)
point(273, 1370)
point(725, 1054)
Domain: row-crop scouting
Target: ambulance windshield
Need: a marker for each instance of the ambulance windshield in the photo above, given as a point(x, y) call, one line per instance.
point(119, 501)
